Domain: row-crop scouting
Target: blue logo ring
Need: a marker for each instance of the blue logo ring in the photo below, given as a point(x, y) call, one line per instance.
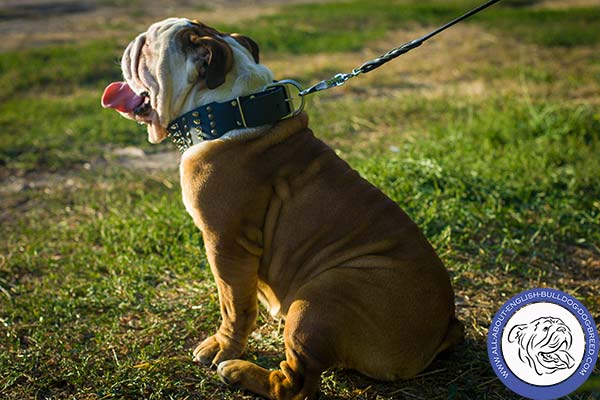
point(500, 366)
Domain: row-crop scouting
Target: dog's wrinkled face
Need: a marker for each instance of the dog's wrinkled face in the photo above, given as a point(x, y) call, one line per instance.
point(544, 344)
point(178, 65)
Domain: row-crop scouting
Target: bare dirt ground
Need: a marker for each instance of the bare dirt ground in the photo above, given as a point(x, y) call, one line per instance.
point(27, 23)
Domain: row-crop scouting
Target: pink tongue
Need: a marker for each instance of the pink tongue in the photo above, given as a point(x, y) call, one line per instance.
point(118, 95)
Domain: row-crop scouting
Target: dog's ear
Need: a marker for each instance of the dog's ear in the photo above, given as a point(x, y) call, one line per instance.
point(249, 44)
point(516, 333)
point(213, 55)
point(219, 63)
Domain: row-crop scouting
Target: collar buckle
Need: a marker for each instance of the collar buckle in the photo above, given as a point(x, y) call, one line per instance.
point(288, 85)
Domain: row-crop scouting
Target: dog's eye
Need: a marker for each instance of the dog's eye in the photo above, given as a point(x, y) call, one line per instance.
point(546, 329)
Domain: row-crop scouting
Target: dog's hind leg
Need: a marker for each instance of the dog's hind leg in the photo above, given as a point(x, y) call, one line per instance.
point(307, 355)
point(292, 382)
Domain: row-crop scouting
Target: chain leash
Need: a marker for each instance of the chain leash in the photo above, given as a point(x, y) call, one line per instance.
point(340, 79)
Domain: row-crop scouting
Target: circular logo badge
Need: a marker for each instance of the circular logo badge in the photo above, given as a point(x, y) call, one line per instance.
point(543, 344)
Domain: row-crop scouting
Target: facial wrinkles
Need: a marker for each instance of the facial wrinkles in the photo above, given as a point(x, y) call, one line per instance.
point(557, 340)
point(568, 339)
point(126, 62)
point(530, 342)
point(164, 90)
point(155, 61)
point(171, 73)
point(182, 84)
point(136, 57)
point(140, 68)
point(544, 339)
point(554, 339)
point(150, 68)
point(144, 69)
point(540, 337)
point(173, 65)
point(166, 73)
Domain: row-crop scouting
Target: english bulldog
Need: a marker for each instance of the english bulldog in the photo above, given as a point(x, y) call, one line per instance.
point(544, 344)
point(284, 220)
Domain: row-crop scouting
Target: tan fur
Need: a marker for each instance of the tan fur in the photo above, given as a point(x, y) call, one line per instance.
point(286, 221)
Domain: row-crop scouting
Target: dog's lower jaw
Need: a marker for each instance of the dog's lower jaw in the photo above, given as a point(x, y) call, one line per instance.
point(156, 132)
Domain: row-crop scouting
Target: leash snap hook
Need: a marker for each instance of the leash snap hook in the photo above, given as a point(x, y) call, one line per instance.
point(290, 85)
point(334, 81)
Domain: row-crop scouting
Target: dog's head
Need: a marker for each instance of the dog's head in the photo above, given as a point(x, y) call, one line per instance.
point(544, 344)
point(178, 65)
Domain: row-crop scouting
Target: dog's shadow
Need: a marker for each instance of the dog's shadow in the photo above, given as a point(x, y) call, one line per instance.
point(463, 372)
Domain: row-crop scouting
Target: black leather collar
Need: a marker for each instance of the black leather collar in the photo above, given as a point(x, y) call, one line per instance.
point(211, 121)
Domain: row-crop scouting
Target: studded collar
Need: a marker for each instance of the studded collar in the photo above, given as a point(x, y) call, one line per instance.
point(211, 121)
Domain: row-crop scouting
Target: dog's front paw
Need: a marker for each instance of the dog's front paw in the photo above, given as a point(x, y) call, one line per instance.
point(214, 350)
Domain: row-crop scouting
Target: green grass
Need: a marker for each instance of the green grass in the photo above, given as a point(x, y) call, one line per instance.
point(559, 27)
point(104, 285)
point(513, 178)
point(58, 70)
point(63, 131)
point(313, 28)
point(85, 287)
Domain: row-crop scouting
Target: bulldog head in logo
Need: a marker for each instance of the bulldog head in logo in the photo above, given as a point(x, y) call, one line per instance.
point(544, 344)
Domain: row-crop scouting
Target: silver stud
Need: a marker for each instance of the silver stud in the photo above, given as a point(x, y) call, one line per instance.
point(197, 121)
point(213, 131)
point(239, 123)
point(211, 116)
point(195, 114)
point(252, 97)
point(234, 103)
point(208, 108)
point(212, 124)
